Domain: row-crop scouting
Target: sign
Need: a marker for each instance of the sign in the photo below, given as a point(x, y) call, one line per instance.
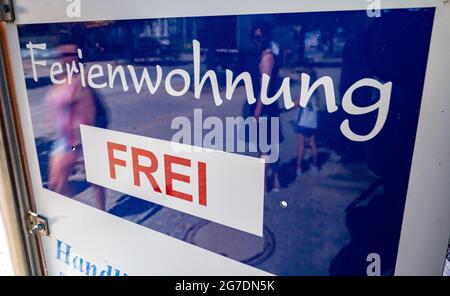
point(149, 169)
point(278, 142)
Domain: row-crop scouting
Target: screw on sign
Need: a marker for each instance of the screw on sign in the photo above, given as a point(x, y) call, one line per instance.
point(4, 8)
point(6, 12)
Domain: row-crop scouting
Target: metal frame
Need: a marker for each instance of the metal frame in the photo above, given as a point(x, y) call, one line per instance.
point(19, 198)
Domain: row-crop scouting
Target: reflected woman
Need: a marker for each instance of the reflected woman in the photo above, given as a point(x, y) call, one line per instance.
point(266, 62)
point(69, 106)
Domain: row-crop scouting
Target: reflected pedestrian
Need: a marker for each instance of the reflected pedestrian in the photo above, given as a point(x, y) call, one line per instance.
point(69, 106)
point(266, 62)
point(306, 127)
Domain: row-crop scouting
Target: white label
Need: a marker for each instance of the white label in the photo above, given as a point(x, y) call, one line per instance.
point(214, 185)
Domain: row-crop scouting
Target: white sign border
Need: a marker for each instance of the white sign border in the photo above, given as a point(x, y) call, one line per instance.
point(426, 222)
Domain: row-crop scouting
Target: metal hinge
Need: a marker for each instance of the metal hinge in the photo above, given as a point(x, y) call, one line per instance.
point(6, 11)
point(37, 224)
